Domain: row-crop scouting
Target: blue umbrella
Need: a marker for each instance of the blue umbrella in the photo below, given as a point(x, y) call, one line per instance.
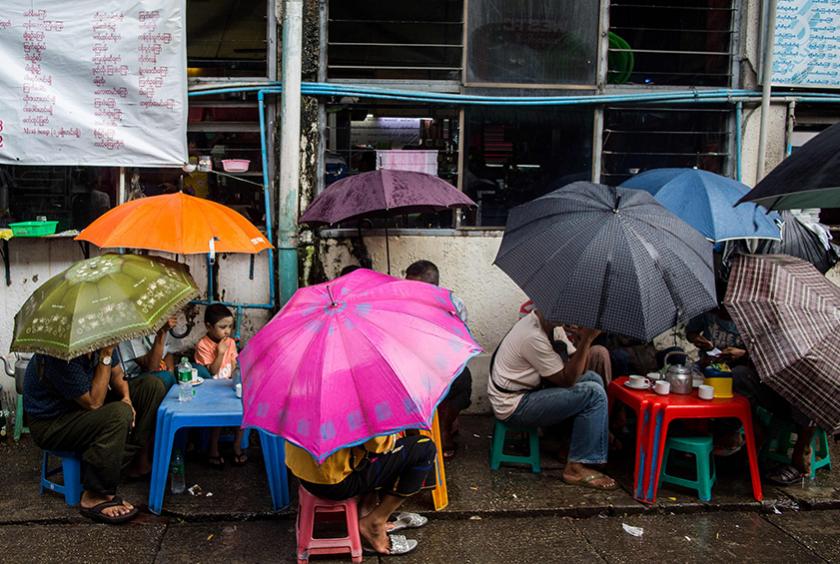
point(707, 201)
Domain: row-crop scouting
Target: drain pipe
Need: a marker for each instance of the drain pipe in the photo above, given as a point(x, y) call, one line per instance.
point(767, 80)
point(287, 201)
point(791, 122)
point(739, 112)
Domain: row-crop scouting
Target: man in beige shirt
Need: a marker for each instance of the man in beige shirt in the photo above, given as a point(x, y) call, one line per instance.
point(524, 361)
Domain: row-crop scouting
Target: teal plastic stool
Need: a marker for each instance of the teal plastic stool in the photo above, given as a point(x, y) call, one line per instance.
point(20, 428)
point(497, 448)
point(779, 446)
point(701, 448)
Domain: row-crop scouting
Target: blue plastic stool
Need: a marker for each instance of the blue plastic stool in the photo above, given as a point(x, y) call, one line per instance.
point(497, 448)
point(704, 463)
point(70, 469)
point(779, 445)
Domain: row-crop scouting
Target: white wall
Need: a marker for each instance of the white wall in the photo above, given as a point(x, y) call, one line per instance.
point(776, 133)
point(465, 261)
point(34, 261)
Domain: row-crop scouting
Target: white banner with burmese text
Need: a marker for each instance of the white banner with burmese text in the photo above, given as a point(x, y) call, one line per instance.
point(93, 82)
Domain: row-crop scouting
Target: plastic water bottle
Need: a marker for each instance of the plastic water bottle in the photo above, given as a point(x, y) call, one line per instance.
point(176, 474)
point(184, 374)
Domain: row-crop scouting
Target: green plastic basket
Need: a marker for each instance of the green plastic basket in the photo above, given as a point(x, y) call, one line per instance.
point(33, 228)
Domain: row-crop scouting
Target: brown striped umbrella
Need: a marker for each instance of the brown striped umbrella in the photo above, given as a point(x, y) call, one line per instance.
point(789, 316)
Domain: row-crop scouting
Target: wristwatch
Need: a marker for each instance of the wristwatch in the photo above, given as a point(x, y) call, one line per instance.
point(106, 360)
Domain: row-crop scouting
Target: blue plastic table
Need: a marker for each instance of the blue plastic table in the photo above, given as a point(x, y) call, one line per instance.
point(214, 405)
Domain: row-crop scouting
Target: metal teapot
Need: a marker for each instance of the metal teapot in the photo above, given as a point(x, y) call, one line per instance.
point(18, 371)
point(678, 375)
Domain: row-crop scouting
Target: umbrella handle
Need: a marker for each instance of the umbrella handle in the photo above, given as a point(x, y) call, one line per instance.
point(186, 332)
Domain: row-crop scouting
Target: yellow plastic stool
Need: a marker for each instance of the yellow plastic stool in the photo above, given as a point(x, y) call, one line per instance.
point(440, 496)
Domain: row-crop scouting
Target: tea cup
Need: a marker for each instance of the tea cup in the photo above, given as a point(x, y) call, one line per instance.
point(662, 387)
point(706, 392)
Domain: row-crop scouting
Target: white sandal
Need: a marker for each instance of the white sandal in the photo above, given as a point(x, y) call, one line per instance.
point(407, 520)
point(399, 546)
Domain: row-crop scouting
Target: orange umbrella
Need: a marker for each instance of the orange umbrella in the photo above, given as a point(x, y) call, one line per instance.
point(175, 223)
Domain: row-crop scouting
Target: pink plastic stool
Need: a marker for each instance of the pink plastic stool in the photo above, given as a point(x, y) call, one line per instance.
point(309, 507)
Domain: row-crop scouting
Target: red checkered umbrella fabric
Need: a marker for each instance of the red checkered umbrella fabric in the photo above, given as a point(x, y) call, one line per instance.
point(789, 316)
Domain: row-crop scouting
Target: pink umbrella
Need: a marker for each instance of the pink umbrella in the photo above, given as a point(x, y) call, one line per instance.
point(360, 356)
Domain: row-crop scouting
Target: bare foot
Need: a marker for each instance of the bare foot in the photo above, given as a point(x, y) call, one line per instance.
point(578, 474)
point(375, 533)
point(90, 499)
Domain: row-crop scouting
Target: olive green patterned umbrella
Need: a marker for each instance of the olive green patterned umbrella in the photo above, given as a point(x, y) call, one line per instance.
point(99, 302)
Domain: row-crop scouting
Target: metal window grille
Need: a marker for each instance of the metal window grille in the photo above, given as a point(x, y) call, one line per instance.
point(642, 138)
point(386, 40)
point(669, 43)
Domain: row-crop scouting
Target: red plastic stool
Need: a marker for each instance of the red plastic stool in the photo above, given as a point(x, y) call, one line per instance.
point(309, 507)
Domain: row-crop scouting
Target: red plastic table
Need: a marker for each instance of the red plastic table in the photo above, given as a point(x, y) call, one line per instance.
point(654, 413)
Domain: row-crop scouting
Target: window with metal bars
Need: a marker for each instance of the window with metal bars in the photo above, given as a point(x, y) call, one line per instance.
point(671, 43)
point(514, 155)
point(642, 138)
point(548, 42)
point(386, 40)
point(227, 38)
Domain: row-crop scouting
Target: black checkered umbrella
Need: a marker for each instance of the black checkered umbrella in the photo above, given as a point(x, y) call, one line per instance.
point(609, 258)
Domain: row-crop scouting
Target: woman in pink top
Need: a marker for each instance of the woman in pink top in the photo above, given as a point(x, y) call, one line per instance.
point(217, 351)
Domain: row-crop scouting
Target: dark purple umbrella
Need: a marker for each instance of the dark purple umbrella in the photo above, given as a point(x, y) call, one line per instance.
point(382, 193)
point(385, 190)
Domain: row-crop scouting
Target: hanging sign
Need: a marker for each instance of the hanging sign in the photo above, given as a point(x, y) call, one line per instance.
point(93, 82)
point(806, 52)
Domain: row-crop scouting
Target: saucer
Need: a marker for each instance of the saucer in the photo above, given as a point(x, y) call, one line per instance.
point(642, 387)
point(197, 381)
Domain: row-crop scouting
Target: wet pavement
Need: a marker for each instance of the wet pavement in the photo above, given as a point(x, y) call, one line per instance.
point(510, 515)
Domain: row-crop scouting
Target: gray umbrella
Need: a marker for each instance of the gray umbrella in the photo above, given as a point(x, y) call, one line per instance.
point(609, 258)
point(797, 241)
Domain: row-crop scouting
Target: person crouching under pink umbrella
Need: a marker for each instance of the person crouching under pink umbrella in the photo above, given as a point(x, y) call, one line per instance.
point(397, 468)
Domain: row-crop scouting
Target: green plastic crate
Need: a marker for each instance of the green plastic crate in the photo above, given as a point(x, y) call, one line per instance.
point(33, 228)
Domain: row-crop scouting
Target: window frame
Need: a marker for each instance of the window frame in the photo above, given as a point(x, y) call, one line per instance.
point(535, 86)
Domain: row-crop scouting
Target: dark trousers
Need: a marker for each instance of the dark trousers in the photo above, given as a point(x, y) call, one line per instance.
point(104, 436)
point(402, 472)
point(747, 383)
point(458, 397)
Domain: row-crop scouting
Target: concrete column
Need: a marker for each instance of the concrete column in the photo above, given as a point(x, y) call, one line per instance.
point(287, 202)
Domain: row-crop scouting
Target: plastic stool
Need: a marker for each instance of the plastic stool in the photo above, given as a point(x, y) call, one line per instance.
point(497, 448)
point(781, 441)
point(70, 469)
point(19, 426)
point(701, 448)
point(309, 507)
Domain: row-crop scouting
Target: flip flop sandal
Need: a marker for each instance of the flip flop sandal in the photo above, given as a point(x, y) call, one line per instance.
point(407, 520)
point(587, 482)
point(216, 462)
point(240, 459)
point(399, 546)
point(784, 475)
point(726, 451)
point(95, 513)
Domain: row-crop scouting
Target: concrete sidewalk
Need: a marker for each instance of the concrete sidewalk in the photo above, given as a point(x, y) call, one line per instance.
point(811, 536)
point(510, 515)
